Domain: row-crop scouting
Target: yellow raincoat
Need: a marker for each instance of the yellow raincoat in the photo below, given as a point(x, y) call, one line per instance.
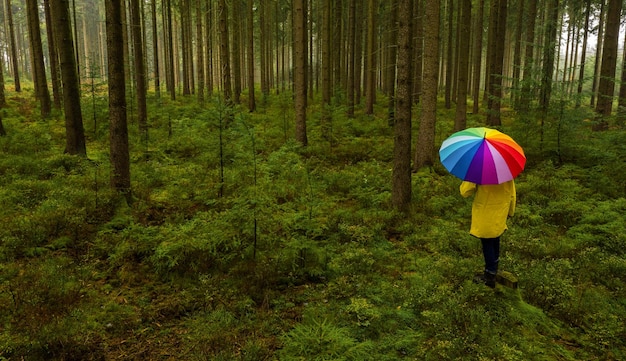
point(492, 204)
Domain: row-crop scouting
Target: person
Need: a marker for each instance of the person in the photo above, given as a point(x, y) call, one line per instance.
point(491, 207)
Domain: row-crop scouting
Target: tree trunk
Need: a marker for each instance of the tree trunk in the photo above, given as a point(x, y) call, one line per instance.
point(370, 86)
point(449, 56)
point(300, 70)
point(140, 72)
point(250, 58)
point(326, 54)
point(118, 129)
point(236, 53)
point(155, 51)
point(418, 30)
point(263, 35)
point(41, 84)
point(392, 54)
point(225, 53)
point(517, 56)
point(499, 14)
point(54, 57)
point(621, 100)
point(351, 57)
point(527, 92)
point(477, 59)
point(3, 99)
point(170, 49)
point(401, 182)
point(2, 131)
point(599, 46)
point(358, 51)
point(425, 149)
point(209, 35)
point(200, 50)
point(186, 41)
point(548, 55)
point(74, 131)
point(583, 55)
point(606, 86)
point(465, 20)
point(337, 48)
point(327, 66)
point(15, 61)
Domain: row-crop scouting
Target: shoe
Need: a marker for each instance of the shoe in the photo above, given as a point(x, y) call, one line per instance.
point(486, 278)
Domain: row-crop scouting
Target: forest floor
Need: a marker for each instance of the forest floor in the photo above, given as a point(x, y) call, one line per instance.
point(241, 245)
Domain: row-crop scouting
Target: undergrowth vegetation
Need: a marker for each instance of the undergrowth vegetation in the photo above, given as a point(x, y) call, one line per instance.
point(242, 245)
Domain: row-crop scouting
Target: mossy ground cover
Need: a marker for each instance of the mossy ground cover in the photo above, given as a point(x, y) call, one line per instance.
point(241, 245)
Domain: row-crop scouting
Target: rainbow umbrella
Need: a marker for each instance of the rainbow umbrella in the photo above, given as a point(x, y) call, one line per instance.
point(482, 156)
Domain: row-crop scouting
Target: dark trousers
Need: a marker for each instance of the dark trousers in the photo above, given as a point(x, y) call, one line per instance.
point(491, 252)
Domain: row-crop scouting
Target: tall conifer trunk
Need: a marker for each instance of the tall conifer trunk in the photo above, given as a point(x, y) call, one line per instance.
point(140, 72)
point(424, 150)
point(74, 130)
point(401, 176)
point(41, 84)
point(118, 129)
point(299, 7)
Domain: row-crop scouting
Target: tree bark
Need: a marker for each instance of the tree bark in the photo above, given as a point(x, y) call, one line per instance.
point(418, 30)
point(370, 86)
point(186, 44)
point(449, 57)
point(621, 100)
point(583, 55)
point(548, 55)
point(263, 36)
point(2, 131)
point(300, 85)
point(170, 49)
point(225, 53)
point(200, 50)
point(209, 31)
point(465, 19)
point(425, 148)
point(517, 56)
point(599, 46)
point(250, 58)
point(350, 91)
point(155, 51)
point(54, 57)
point(15, 61)
point(499, 15)
point(236, 53)
point(140, 72)
point(326, 53)
point(358, 51)
point(337, 49)
point(606, 85)
point(3, 99)
point(327, 66)
point(118, 129)
point(401, 182)
point(74, 131)
point(392, 54)
point(477, 57)
point(41, 84)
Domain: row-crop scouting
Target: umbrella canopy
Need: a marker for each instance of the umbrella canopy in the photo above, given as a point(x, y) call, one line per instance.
point(482, 156)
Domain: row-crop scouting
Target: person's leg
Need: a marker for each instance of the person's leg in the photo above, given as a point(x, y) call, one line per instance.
point(496, 250)
point(491, 253)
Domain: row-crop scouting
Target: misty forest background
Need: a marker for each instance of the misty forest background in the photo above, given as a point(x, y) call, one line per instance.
point(259, 180)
